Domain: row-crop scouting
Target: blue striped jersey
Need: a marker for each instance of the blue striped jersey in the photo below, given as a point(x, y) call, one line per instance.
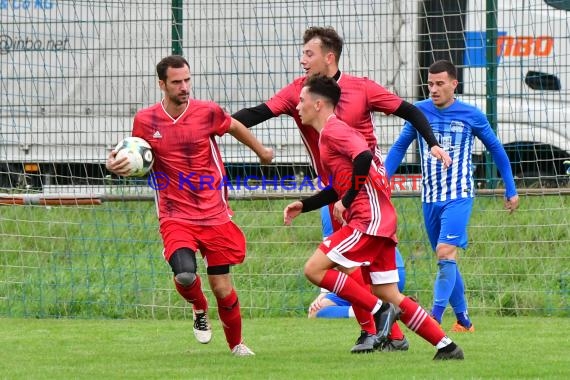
point(455, 128)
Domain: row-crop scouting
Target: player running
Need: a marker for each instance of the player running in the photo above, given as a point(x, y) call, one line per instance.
point(194, 216)
point(361, 193)
point(448, 193)
point(360, 97)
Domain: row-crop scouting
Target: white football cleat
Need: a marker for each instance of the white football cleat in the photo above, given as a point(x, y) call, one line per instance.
point(242, 350)
point(202, 328)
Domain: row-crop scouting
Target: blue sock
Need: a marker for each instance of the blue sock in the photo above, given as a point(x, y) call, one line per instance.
point(459, 302)
point(443, 286)
point(333, 312)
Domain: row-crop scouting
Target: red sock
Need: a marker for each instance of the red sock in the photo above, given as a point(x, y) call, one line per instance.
point(230, 316)
point(396, 333)
point(364, 319)
point(193, 294)
point(418, 320)
point(345, 287)
point(363, 316)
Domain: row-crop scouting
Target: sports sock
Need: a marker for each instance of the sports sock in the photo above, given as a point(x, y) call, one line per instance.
point(446, 345)
point(193, 294)
point(458, 301)
point(230, 316)
point(363, 316)
point(345, 287)
point(463, 319)
point(334, 312)
point(396, 333)
point(443, 286)
point(418, 320)
point(437, 313)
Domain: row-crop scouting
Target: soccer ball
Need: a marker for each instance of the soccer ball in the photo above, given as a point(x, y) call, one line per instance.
point(139, 154)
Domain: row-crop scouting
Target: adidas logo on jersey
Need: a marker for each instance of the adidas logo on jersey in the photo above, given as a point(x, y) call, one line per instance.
point(157, 135)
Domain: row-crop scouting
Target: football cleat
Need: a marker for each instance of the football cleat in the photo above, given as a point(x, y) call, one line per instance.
point(458, 327)
point(242, 350)
point(202, 328)
point(449, 354)
point(395, 345)
point(365, 343)
point(384, 319)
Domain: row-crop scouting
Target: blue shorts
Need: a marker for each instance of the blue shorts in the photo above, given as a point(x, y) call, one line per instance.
point(399, 259)
point(326, 222)
point(446, 222)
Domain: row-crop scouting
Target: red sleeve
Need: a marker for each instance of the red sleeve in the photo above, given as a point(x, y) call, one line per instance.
point(285, 101)
point(221, 120)
point(382, 100)
point(137, 126)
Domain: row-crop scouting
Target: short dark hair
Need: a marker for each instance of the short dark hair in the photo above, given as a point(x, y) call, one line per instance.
point(324, 86)
point(174, 61)
point(443, 66)
point(330, 39)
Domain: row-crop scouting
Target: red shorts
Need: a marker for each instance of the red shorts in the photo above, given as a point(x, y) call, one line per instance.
point(375, 254)
point(219, 245)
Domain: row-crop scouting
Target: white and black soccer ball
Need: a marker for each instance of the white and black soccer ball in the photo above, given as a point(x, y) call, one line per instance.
point(139, 154)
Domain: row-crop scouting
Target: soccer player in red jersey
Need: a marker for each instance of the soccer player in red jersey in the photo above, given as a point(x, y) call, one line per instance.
point(360, 192)
point(192, 200)
point(360, 97)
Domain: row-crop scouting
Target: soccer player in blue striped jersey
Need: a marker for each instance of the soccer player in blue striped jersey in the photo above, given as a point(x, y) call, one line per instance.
point(447, 194)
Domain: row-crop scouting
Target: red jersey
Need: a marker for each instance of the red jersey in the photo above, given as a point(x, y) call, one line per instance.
point(372, 211)
point(359, 98)
point(188, 160)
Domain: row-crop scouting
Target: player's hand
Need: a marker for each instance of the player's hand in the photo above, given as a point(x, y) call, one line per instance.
point(291, 212)
point(441, 155)
point(266, 156)
point(338, 211)
point(120, 166)
point(316, 305)
point(512, 203)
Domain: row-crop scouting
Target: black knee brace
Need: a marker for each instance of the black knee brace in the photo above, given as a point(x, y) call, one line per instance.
point(183, 264)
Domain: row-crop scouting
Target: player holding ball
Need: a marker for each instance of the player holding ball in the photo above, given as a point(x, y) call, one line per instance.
point(181, 132)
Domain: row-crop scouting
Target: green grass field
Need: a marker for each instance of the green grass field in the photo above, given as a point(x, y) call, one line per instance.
point(286, 348)
point(101, 305)
point(105, 261)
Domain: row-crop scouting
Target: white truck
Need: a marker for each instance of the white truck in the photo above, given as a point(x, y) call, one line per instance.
point(532, 76)
point(74, 73)
point(532, 84)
